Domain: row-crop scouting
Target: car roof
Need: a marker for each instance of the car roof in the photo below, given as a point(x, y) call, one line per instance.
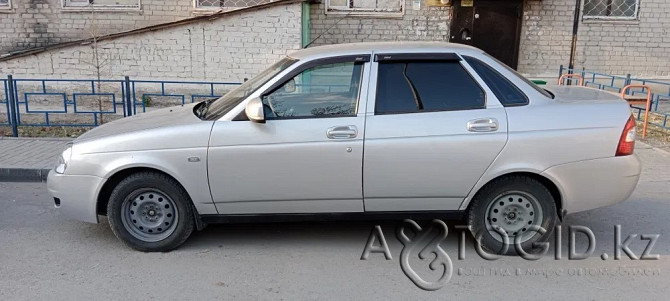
point(393, 47)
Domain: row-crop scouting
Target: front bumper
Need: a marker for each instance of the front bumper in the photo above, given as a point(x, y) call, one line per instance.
point(591, 184)
point(77, 195)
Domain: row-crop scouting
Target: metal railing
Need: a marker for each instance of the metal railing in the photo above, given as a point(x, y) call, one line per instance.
point(4, 103)
point(91, 102)
point(660, 96)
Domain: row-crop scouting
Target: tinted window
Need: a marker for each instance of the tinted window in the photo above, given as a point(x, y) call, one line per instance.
point(406, 87)
point(323, 91)
point(523, 78)
point(507, 93)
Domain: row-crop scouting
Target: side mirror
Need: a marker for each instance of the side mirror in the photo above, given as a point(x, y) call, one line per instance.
point(254, 110)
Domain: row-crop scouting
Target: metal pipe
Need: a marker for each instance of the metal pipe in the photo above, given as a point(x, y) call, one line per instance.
point(575, 29)
point(129, 98)
point(13, 106)
point(306, 24)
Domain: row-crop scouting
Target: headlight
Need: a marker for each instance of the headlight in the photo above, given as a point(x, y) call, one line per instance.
point(63, 159)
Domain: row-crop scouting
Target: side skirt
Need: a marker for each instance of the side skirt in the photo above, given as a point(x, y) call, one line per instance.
point(317, 217)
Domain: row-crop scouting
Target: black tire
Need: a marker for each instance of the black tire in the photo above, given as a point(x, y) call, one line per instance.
point(138, 185)
point(531, 191)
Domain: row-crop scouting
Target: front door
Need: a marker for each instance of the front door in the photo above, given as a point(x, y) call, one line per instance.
point(493, 26)
point(307, 156)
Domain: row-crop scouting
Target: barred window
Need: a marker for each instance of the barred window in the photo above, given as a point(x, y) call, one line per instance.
point(611, 9)
point(96, 4)
point(365, 7)
point(224, 4)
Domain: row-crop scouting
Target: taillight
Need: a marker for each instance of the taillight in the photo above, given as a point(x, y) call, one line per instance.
point(627, 140)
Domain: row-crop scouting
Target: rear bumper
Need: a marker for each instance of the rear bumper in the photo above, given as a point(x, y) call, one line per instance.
point(77, 195)
point(591, 184)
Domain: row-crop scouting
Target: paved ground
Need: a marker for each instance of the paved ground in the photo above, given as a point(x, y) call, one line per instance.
point(28, 159)
point(44, 256)
point(30, 152)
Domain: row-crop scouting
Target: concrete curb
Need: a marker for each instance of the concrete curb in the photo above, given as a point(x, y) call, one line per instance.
point(655, 148)
point(23, 174)
point(38, 138)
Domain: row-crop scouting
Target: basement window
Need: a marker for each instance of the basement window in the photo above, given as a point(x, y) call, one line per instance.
point(611, 9)
point(5, 5)
point(390, 8)
point(83, 5)
point(227, 4)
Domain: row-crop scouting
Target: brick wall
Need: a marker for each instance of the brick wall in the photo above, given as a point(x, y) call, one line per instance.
point(34, 23)
point(546, 36)
point(229, 48)
point(641, 48)
point(428, 23)
point(619, 47)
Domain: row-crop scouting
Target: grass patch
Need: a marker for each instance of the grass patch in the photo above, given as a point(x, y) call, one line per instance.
point(45, 131)
point(656, 136)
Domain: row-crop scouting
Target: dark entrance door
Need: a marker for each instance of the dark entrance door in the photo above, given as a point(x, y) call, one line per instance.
point(491, 25)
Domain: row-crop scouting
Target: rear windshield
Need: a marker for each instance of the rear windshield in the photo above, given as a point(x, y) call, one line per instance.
point(527, 81)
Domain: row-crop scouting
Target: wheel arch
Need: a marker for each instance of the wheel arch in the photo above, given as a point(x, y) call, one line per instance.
point(115, 179)
point(119, 175)
point(548, 183)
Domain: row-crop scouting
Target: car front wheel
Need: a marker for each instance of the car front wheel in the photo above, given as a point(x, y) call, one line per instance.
point(512, 212)
point(150, 212)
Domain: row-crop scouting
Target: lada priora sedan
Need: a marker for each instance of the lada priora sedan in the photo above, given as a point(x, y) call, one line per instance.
point(364, 130)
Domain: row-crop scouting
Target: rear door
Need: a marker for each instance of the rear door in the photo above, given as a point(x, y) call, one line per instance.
point(431, 132)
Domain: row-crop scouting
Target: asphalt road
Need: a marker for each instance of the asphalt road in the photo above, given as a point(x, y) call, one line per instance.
point(44, 256)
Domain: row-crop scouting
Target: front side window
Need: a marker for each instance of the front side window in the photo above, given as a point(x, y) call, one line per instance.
point(329, 90)
point(611, 9)
point(426, 86)
point(221, 106)
point(506, 92)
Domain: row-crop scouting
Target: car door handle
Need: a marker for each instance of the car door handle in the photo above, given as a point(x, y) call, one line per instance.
point(342, 132)
point(483, 125)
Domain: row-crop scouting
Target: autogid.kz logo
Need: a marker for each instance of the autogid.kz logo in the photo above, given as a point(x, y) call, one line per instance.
point(416, 245)
point(424, 243)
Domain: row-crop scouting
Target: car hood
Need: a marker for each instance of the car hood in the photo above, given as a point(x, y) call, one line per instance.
point(173, 116)
point(170, 128)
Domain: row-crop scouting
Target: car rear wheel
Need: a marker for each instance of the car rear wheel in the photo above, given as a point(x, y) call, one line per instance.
point(512, 210)
point(150, 212)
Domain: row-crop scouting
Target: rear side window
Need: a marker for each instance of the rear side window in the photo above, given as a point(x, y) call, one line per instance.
point(426, 86)
point(508, 94)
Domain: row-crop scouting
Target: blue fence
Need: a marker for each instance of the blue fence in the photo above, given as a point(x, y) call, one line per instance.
point(660, 96)
point(4, 103)
point(90, 102)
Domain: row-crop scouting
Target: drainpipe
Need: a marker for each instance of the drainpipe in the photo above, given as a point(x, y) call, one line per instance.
point(306, 27)
point(575, 29)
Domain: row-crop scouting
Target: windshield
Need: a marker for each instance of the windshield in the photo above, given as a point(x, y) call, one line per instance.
point(527, 81)
point(221, 106)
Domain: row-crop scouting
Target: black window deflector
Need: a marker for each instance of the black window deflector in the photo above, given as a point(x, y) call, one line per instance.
point(399, 57)
point(363, 58)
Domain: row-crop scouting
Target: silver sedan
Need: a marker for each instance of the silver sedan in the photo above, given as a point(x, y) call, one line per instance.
point(359, 130)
